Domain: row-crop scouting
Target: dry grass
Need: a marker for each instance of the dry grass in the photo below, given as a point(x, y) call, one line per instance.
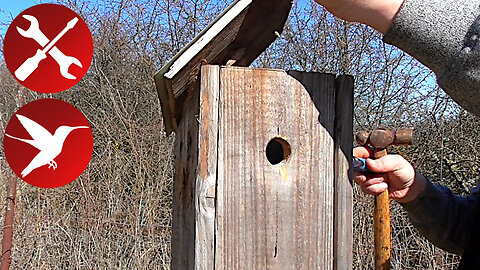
point(117, 215)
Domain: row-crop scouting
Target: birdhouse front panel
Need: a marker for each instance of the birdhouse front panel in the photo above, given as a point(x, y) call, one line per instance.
point(274, 205)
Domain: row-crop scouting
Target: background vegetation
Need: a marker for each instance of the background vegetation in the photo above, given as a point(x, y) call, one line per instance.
point(117, 215)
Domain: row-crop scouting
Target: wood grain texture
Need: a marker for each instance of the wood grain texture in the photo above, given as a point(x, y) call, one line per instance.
point(186, 161)
point(193, 234)
point(207, 168)
point(275, 217)
point(343, 204)
point(382, 235)
point(209, 54)
point(235, 210)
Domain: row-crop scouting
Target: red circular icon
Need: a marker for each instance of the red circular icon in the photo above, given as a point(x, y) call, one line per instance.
point(48, 143)
point(48, 48)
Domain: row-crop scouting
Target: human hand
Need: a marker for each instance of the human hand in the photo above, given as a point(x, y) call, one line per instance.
point(379, 14)
point(392, 172)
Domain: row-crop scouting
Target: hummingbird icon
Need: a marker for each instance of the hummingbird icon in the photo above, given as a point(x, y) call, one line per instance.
point(50, 146)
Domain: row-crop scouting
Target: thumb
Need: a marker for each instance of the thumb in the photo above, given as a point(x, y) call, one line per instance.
point(389, 163)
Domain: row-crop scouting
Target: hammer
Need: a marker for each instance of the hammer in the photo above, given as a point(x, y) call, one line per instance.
point(379, 140)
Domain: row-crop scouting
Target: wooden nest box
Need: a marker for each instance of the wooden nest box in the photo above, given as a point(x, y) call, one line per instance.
point(262, 175)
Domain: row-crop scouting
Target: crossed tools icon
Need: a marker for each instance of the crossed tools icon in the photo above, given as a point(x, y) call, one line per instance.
point(48, 46)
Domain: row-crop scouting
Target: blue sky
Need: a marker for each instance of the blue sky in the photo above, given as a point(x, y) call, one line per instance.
point(9, 9)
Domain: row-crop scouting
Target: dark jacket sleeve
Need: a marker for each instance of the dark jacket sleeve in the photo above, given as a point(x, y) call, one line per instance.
point(445, 36)
point(443, 218)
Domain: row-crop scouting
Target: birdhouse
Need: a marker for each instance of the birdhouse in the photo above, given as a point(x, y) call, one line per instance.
point(262, 156)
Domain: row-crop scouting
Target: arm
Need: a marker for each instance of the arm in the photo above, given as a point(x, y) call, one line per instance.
point(445, 36)
point(379, 14)
point(442, 34)
point(443, 218)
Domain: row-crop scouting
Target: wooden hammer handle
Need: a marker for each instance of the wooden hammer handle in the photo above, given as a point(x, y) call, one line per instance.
point(381, 221)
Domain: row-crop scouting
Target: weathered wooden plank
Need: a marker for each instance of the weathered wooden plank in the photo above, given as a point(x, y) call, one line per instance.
point(189, 73)
point(186, 160)
point(207, 168)
point(195, 176)
point(343, 205)
point(275, 216)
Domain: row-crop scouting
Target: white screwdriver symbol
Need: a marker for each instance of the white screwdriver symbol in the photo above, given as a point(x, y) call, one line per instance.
point(31, 63)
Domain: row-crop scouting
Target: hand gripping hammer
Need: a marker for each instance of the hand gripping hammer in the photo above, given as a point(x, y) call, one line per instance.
point(379, 140)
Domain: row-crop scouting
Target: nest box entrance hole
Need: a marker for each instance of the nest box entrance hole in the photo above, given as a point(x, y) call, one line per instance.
point(277, 150)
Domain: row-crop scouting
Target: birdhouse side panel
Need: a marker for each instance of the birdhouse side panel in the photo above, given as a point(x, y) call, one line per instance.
point(186, 161)
point(343, 204)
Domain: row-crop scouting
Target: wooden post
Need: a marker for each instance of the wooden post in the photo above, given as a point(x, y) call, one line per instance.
point(9, 219)
point(233, 209)
point(8, 223)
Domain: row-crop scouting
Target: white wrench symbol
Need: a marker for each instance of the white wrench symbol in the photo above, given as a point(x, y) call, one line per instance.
point(36, 34)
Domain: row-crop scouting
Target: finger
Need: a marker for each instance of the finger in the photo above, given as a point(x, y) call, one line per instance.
point(371, 175)
point(369, 178)
point(375, 189)
point(389, 163)
point(373, 181)
point(362, 152)
point(359, 178)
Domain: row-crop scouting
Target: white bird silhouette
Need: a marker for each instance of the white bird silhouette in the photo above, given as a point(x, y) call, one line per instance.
point(50, 146)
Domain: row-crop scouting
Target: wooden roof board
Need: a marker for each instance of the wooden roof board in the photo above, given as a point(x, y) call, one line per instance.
point(242, 32)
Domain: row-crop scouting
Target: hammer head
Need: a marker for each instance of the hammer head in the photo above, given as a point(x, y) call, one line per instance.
point(382, 138)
